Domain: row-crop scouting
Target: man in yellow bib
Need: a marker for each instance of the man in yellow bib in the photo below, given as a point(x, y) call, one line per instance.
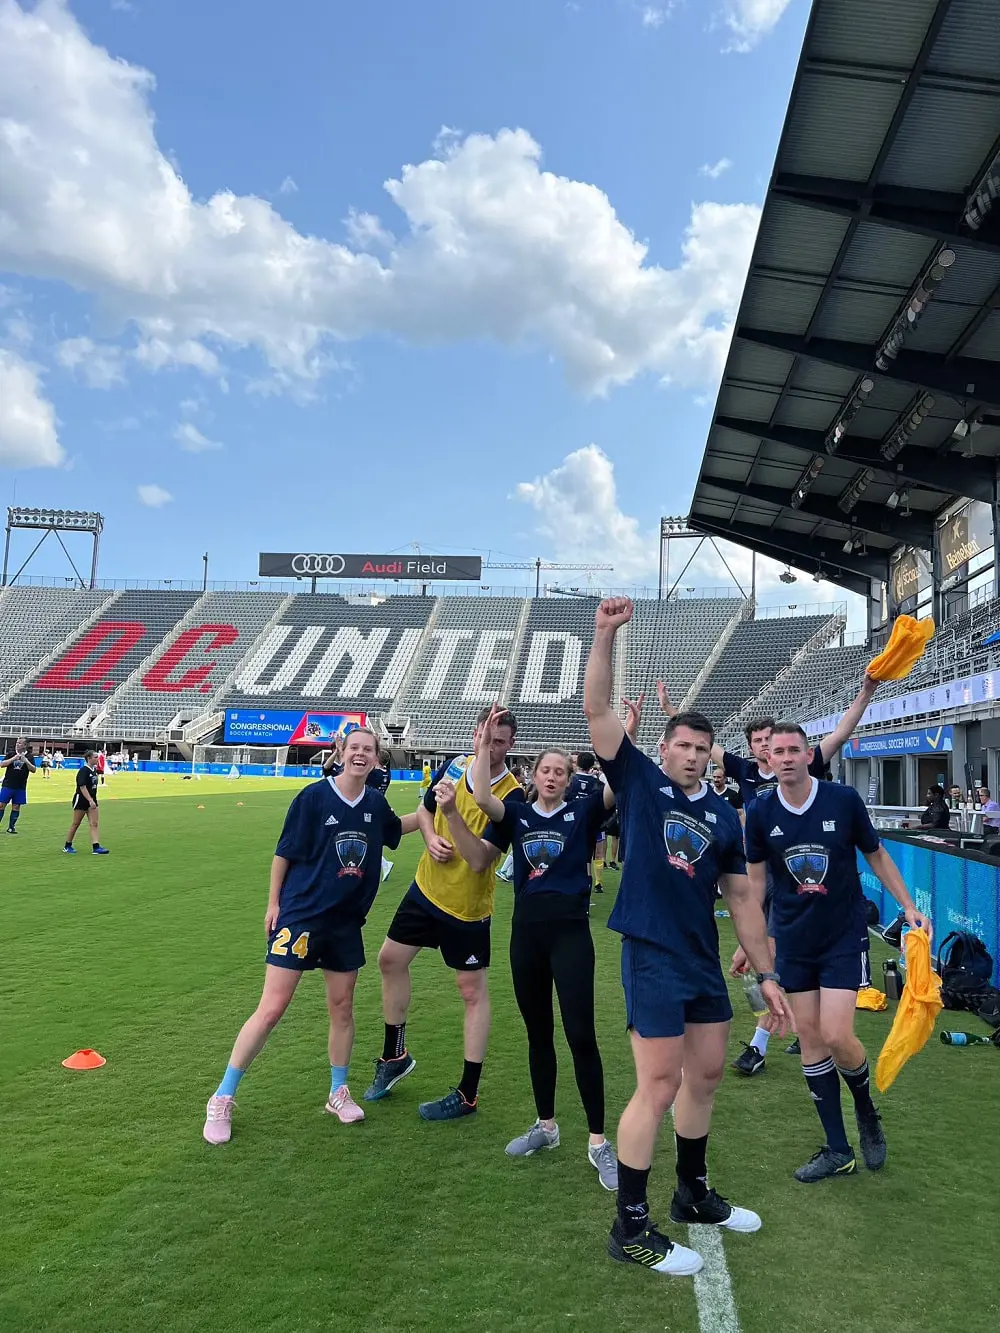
point(448, 907)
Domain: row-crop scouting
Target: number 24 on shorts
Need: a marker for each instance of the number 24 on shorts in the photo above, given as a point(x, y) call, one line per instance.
point(280, 943)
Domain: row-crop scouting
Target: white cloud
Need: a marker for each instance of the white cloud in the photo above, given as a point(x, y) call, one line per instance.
point(488, 245)
point(653, 15)
point(100, 365)
point(288, 186)
point(365, 231)
point(28, 428)
point(750, 20)
point(713, 170)
point(152, 495)
point(19, 330)
point(578, 513)
point(191, 440)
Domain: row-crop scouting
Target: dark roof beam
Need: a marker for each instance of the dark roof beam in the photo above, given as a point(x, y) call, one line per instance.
point(850, 571)
point(917, 467)
point(916, 216)
point(916, 530)
point(961, 378)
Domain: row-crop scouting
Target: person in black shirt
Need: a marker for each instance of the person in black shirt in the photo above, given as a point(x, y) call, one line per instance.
point(937, 813)
point(14, 783)
point(85, 805)
point(721, 787)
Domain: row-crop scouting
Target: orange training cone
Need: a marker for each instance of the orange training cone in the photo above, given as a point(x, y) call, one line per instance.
point(86, 1059)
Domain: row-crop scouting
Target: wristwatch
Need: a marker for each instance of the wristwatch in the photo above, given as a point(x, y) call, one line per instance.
point(767, 976)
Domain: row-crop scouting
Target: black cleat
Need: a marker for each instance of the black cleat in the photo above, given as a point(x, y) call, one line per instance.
point(713, 1210)
point(387, 1075)
point(598, 888)
point(453, 1106)
point(873, 1147)
point(826, 1163)
point(12, 830)
point(750, 1062)
point(652, 1249)
point(794, 1047)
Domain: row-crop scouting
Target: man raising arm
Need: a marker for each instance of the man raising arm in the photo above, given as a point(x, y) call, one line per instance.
point(680, 840)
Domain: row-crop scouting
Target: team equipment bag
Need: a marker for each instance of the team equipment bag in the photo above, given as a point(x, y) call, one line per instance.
point(965, 967)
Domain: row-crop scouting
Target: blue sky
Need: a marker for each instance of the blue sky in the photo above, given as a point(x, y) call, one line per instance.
point(210, 293)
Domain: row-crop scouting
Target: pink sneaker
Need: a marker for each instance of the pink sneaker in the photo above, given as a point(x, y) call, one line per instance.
point(219, 1120)
point(343, 1106)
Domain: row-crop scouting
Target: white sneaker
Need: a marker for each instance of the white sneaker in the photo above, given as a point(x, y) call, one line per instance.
point(680, 1262)
point(652, 1249)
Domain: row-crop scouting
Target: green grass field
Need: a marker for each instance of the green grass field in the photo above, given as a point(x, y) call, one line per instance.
point(117, 1216)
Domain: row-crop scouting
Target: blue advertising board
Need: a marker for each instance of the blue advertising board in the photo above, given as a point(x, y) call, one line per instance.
point(928, 740)
point(957, 891)
point(249, 726)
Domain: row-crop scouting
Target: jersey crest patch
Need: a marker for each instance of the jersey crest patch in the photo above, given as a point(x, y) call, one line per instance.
point(685, 841)
point(352, 848)
point(808, 864)
point(540, 850)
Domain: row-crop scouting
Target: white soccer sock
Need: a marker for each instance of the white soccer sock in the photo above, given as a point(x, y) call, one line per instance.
point(760, 1040)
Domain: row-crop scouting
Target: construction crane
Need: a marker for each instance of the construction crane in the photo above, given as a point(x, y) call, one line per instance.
point(539, 564)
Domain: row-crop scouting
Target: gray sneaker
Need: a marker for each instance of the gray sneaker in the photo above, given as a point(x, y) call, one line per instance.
point(602, 1158)
point(532, 1141)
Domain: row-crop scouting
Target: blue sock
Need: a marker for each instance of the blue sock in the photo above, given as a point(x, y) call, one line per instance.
point(338, 1077)
point(230, 1082)
point(824, 1088)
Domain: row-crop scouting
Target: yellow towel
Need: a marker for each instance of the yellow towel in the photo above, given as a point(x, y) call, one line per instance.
point(919, 1007)
point(904, 650)
point(870, 998)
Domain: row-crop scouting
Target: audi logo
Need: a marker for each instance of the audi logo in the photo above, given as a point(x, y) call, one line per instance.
point(318, 564)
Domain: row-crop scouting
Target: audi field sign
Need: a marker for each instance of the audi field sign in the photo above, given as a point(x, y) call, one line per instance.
point(416, 568)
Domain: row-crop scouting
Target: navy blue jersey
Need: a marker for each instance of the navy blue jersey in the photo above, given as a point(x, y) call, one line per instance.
point(551, 851)
point(676, 847)
point(812, 857)
point(15, 776)
point(582, 785)
point(335, 850)
point(378, 779)
point(86, 780)
point(753, 783)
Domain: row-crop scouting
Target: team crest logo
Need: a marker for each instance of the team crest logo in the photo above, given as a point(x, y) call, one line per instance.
point(685, 841)
point(540, 850)
point(352, 848)
point(808, 865)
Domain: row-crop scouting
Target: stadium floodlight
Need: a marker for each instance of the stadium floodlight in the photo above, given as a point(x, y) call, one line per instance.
point(983, 196)
point(913, 307)
point(65, 520)
point(786, 576)
point(855, 488)
point(852, 406)
point(910, 420)
point(804, 484)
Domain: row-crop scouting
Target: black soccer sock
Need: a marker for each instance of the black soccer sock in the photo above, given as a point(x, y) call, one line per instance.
point(15, 815)
point(395, 1041)
point(633, 1210)
point(858, 1082)
point(692, 1168)
point(824, 1088)
point(471, 1074)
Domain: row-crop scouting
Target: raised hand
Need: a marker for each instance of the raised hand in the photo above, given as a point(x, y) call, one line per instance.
point(614, 612)
point(665, 705)
point(633, 714)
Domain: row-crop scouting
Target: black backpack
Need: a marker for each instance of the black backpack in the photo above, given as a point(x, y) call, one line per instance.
point(965, 967)
point(871, 912)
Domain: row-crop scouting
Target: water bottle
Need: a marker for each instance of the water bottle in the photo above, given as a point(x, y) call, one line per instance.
point(892, 980)
point(902, 944)
point(965, 1039)
point(756, 1001)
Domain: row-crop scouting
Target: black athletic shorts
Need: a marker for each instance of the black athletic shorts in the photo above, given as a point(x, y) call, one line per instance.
point(79, 803)
point(611, 826)
point(464, 945)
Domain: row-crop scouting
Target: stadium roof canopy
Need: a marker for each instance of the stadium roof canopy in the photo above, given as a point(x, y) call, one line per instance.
point(836, 419)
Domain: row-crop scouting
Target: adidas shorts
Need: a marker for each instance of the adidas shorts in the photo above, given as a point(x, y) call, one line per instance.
point(464, 945)
point(653, 1007)
point(330, 941)
point(846, 966)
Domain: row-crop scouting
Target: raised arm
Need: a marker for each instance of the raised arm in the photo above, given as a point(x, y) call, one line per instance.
point(633, 717)
point(844, 729)
point(482, 791)
point(475, 851)
point(440, 849)
point(606, 730)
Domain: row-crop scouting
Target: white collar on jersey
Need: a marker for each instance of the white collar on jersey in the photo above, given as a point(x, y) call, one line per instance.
point(800, 809)
point(357, 800)
point(547, 814)
point(690, 796)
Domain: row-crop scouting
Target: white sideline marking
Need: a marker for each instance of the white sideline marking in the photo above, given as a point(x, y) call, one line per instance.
point(712, 1288)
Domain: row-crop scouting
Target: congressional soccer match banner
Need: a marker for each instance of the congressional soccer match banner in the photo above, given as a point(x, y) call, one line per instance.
point(248, 726)
point(316, 565)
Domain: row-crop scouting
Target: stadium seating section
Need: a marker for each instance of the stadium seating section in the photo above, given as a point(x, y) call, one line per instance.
point(126, 665)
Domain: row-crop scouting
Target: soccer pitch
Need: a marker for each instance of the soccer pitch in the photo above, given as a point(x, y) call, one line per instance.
point(118, 1216)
